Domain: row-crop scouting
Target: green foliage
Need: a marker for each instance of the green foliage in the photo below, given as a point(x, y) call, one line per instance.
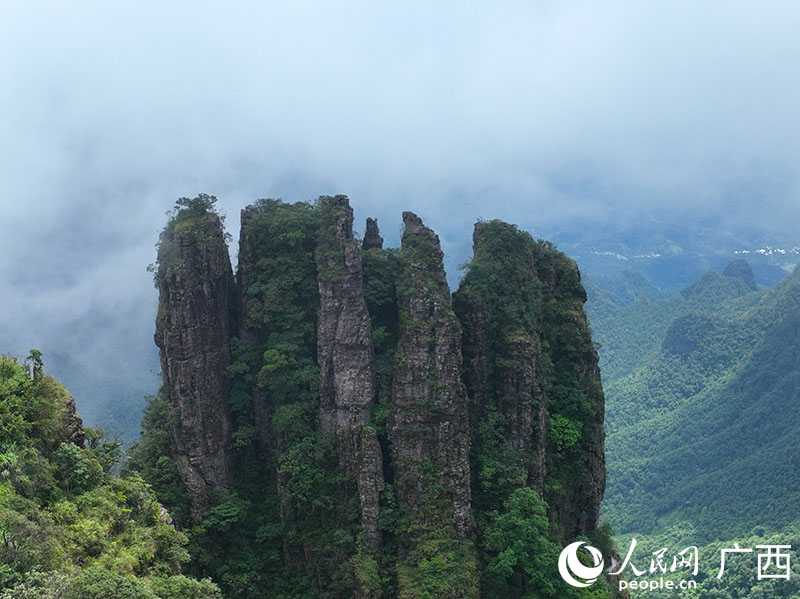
point(99, 583)
point(38, 585)
point(498, 468)
point(520, 558)
point(380, 268)
point(181, 587)
point(199, 205)
point(284, 288)
point(564, 432)
point(69, 527)
point(434, 562)
point(35, 362)
point(107, 451)
point(438, 568)
point(704, 422)
point(367, 572)
point(151, 457)
point(739, 579)
point(78, 469)
point(198, 215)
point(302, 466)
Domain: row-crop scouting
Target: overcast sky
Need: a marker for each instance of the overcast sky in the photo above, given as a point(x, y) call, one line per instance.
point(530, 111)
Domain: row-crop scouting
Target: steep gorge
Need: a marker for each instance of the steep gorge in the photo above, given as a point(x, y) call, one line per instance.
point(346, 427)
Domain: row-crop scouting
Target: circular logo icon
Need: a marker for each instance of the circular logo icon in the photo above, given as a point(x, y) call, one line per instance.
point(573, 571)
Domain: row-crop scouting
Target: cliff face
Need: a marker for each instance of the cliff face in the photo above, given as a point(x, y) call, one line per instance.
point(502, 350)
point(575, 400)
point(247, 279)
point(347, 359)
point(344, 333)
point(276, 388)
point(192, 334)
point(428, 425)
point(536, 405)
point(375, 430)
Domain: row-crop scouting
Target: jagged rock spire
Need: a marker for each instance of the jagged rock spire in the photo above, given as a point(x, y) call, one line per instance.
point(372, 236)
point(428, 425)
point(347, 359)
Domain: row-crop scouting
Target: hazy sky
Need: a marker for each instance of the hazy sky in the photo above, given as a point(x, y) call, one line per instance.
point(529, 111)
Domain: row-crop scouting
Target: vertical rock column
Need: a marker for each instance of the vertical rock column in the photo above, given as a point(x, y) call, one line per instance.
point(501, 368)
point(577, 510)
point(192, 333)
point(372, 236)
point(428, 425)
point(529, 358)
point(347, 359)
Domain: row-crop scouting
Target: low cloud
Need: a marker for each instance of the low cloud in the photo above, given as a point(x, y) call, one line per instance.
point(537, 113)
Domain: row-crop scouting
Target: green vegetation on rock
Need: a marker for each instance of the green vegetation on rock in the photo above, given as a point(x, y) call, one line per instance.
point(475, 483)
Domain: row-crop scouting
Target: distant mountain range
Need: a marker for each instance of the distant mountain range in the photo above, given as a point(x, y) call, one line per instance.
point(702, 392)
point(673, 255)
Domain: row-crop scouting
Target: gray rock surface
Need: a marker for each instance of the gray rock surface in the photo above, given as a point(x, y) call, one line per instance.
point(347, 359)
point(372, 236)
point(428, 425)
point(192, 333)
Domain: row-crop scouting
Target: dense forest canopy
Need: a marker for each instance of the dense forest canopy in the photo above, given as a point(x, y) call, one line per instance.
point(70, 527)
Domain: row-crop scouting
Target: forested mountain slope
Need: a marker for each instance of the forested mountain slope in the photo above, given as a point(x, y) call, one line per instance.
point(703, 427)
point(69, 527)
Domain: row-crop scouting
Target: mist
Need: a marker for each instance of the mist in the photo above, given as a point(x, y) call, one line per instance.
point(544, 114)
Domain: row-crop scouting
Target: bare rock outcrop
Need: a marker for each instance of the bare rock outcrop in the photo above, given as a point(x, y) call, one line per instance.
point(372, 236)
point(73, 423)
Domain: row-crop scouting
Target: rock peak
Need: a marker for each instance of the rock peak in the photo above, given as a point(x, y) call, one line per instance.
point(413, 224)
point(480, 230)
point(372, 236)
point(347, 362)
point(342, 216)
